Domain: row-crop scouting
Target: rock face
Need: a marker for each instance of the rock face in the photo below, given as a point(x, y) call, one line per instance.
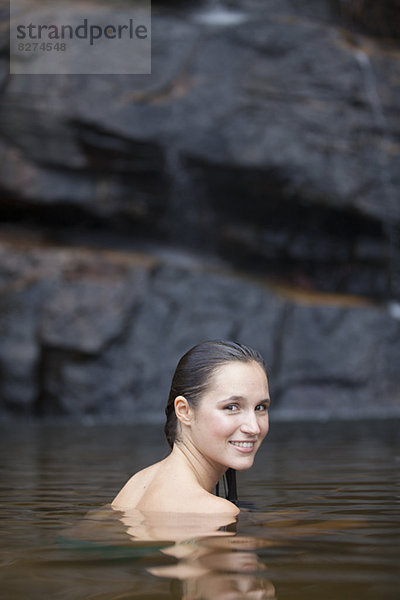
point(97, 334)
point(266, 147)
point(380, 18)
point(270, 138)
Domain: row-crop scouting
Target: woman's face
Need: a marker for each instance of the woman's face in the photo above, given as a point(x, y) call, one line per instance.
point(231, 419)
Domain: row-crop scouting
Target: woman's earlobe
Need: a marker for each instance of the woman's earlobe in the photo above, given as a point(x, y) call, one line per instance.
point(182, 410)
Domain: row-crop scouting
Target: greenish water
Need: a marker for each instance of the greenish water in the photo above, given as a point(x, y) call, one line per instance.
point(323, 519)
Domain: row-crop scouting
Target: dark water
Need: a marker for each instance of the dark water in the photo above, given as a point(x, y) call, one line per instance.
point(324, 520)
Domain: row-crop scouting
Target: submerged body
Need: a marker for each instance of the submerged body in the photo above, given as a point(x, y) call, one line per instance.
point(223, 430)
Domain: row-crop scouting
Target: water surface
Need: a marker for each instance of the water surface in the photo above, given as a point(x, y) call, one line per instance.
point(322, 518)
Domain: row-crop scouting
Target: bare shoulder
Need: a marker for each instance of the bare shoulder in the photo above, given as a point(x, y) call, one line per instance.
point(165, 490)
point(134, 488)
point(216, 505)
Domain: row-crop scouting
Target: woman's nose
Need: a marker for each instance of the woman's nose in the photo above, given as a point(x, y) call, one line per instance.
point(250, 425)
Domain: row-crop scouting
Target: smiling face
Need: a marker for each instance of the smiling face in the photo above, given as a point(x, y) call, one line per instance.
point(231, 419)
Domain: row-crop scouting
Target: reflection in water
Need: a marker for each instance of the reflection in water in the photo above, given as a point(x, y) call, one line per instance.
point(227, 587)
point(211, 561)
point(204, 555)
point(326, 523)
point(204, 552)
point(177, 527)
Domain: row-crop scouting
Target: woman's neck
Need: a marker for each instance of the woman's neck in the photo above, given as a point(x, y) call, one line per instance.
point(206, 473)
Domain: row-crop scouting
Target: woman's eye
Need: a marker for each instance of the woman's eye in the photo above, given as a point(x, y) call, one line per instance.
point(232, 407)
point(261, 408)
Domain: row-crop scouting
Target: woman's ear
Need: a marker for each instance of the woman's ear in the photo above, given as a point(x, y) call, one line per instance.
point(182, 410)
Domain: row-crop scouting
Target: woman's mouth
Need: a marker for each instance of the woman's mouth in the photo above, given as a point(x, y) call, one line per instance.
point(243, 446)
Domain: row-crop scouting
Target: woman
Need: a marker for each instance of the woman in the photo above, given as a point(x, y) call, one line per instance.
point(217, 417)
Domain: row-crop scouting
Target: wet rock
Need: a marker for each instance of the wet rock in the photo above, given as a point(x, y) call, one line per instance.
point(88, 310)
point(59, 309)
point(334, 359)
point(245, 122)
point(379, 18)
point(96, 335)
point(19, 351)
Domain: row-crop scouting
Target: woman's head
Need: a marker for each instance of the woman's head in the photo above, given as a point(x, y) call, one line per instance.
point(195, 371)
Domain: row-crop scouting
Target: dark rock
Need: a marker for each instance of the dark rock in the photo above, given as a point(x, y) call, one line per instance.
point(97, 335)
point(328, 364)
point(56, 307)
point(88, 310)
point(379, 18)
point(19, 352)
point(281, 114)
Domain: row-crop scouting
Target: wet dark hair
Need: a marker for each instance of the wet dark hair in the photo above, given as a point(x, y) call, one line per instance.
point(192, 377)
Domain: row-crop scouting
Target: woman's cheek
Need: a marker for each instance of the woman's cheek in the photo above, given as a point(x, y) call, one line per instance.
point(224, 422)
point(265, 427)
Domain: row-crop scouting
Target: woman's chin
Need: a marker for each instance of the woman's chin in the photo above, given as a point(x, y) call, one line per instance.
point(243, 464)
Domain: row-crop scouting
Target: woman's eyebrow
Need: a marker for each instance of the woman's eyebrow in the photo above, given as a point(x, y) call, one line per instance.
point(266, 401)
point(231, 399)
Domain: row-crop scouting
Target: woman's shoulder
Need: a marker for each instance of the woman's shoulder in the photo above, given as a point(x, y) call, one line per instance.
point(163, 490)
point(216, 505)
point(133, 490)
